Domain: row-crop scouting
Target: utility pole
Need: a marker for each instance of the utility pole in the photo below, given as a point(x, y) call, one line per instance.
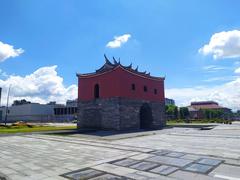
point(0, 96)
point(7, 105)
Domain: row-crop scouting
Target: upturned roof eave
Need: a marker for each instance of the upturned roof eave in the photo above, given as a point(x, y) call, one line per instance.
point(94, 74)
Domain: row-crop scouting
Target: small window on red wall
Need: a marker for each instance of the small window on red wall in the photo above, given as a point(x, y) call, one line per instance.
point(145, 88)
point(96, 91)
point(133, 87)
point(155, 91)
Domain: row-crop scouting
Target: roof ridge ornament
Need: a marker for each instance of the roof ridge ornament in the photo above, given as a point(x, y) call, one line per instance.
point(107, 60)
point(142, 72)
point(109, 65)
point(129, 67)
point(115, 61)
point(136, 69)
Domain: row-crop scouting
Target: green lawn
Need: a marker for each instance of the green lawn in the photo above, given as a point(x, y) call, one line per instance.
point(199, 121)
point(24, 129)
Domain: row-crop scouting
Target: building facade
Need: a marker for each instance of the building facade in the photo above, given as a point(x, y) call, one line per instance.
point(30, 112)
point(119, 97)
point(169, 101)
point(35, 112)
point(196, 109)
point(66, 112)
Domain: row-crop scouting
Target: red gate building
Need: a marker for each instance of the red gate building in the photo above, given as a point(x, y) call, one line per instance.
point(120, 97)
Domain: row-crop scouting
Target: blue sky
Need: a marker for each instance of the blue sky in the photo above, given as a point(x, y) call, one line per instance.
point(165, 38)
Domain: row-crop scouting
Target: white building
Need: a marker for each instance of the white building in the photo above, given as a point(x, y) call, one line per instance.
point(35, 112)
point(28, 112)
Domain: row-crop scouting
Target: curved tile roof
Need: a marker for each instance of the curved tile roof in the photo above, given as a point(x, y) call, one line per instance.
point(108, 66)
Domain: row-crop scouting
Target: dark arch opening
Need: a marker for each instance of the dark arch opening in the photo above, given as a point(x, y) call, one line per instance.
point(96, 91)
point(146, 118)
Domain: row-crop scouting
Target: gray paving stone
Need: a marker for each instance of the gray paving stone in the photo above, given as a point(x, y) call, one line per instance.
point(56, 155)
point(226, 171)
point(161, 152)
point(109, 177)
point(164, 170)
point(185, 175)
point(36, 176)
point(199, 168)
point(141, 156)
point(142, 175)
point(18, 177)
point(235, 162)
point(3, 176)
point(143, 166)
point(8, 171)
point(175, 154)
point(170, 161)
point(126, 162)
point(191, 157)
point(54, 178)
point(114, 169)
point(211, 162)
point(83, 174)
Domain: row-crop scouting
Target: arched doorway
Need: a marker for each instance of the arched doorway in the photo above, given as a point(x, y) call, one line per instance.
point(146, 117)
point(96, 91)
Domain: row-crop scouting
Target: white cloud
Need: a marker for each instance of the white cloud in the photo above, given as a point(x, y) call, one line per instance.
point(8, 51)
point(237, 71)
point(227, 94)
point(220, 78)
point(41, 86)
point(213, 68)
point(236, 63)
point(3, 73)
point(118, 41)
point(224, 44)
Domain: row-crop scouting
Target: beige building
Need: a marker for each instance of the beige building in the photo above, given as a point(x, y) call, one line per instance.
point(195, 109)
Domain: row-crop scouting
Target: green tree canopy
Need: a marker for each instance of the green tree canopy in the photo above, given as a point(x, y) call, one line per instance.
point(172, 111)
point(212, 113)
point(184, 113)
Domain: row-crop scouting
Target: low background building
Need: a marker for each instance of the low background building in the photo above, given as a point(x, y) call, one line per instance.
point(169, 101)
point(236, 115)
point(66, 112)
point(34, 112)
point(198, 110)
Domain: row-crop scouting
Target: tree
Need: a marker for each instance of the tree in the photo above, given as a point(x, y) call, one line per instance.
point(20, 102)
point(184, 113)
point(171, 111)
point(213, 113)
point(176, 112)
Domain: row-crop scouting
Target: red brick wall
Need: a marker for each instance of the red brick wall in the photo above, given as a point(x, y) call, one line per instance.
point(117, 83)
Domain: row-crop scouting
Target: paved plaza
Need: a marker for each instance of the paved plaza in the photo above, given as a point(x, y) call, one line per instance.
point(171, 153)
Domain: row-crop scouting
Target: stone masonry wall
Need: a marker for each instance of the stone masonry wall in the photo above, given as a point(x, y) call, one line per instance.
point(117, 114)
point(130, 113)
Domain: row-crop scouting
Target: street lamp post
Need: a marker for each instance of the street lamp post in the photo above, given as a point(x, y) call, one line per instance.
point(7, 105)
